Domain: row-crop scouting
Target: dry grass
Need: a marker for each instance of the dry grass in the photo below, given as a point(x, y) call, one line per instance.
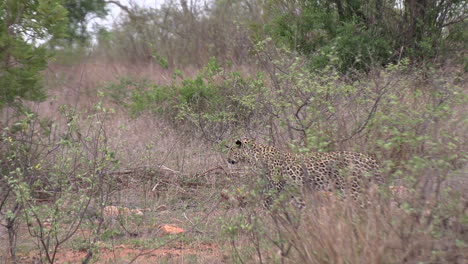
point(171, 175)
point(179, 179)
point(342, 233)
point(336, 231)
point(146, 140)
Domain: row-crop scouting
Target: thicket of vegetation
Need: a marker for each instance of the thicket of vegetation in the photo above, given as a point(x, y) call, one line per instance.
point(138, 116)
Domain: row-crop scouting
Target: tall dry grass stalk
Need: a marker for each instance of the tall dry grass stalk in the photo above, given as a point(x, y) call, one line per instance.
point(331, 230)
point(142, 140)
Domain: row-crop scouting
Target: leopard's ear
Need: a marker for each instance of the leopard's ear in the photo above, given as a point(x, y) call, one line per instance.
point(238, 143)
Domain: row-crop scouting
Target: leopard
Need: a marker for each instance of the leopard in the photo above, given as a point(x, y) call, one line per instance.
point(346, 172)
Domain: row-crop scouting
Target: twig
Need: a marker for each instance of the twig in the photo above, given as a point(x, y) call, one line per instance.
point(194, 226)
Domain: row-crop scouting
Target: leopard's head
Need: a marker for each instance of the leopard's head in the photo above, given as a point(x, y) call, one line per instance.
point(243, 151)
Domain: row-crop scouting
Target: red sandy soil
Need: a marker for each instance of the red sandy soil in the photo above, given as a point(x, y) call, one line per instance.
point(171, 229)
point(175, 253)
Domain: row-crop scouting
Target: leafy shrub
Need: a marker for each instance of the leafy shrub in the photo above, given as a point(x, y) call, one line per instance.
point(214, 98)
point(21, 59)
point(50, 176)
point(365, 34)
point(412, 119)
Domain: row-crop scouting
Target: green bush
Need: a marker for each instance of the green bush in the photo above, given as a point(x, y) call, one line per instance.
point(216, 97)
point(365, 34)
point(49, 176)
point(22, 25)
point(412, 119)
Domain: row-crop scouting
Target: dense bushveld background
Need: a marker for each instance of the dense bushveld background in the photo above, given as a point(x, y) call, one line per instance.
point(109, 134)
